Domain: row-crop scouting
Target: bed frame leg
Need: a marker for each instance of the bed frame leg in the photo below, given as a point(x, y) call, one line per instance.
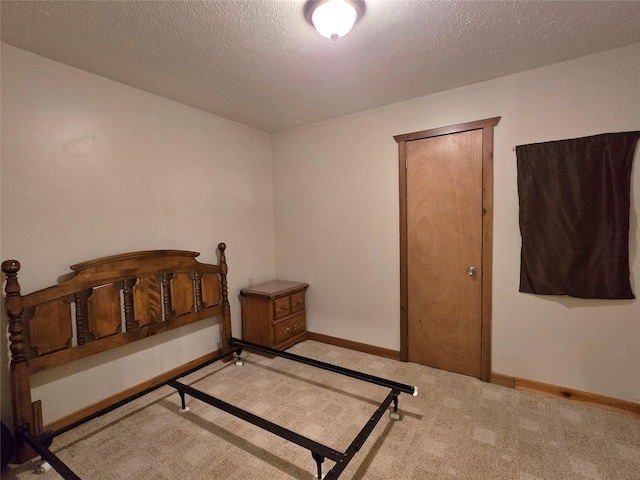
point(184, 403)
point(319, 459)
point(395, 414)
point(43, 468)
point(239, 361)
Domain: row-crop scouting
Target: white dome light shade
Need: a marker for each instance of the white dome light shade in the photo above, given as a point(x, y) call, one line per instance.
point(333, 18)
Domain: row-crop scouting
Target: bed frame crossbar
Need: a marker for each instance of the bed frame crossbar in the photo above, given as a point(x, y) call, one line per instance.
point(234, 343)
point(357, 443)
point(282, 432)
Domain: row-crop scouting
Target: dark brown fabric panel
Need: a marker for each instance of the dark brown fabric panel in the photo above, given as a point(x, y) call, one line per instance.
point(574, 216)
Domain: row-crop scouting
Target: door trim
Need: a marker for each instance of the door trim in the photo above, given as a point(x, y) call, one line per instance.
point(486, 126)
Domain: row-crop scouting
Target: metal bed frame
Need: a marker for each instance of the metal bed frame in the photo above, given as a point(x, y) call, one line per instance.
point(319, 452)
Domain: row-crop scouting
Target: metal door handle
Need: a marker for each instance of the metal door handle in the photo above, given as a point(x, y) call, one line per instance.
point(471, 271)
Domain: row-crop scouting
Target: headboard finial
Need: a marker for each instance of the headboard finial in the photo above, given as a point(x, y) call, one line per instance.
point(223, 259)
point(10, 266)
point(12, 288)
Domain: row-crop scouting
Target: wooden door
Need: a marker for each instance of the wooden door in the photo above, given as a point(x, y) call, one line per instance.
point(444, 240)
point(446, 247)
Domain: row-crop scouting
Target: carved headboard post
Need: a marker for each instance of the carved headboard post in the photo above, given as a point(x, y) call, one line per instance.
point(13, 306)
point(20, 384)
point(223, 274)
point(225, 333)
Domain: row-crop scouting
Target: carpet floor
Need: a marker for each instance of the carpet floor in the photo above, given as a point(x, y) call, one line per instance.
point(457, 428)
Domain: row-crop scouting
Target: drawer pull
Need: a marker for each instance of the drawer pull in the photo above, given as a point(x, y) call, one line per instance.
point(292, 329)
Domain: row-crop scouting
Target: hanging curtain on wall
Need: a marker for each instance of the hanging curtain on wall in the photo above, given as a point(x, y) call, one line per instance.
point(574, 216)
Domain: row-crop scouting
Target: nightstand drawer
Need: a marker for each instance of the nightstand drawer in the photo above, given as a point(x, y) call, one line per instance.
point(289, 328)
point(297, 302)
point(281, 307)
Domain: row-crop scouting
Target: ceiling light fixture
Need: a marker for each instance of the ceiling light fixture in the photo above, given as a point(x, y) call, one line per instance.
point(333, 18)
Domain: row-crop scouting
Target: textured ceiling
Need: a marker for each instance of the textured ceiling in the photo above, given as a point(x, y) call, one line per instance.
point(261, 64)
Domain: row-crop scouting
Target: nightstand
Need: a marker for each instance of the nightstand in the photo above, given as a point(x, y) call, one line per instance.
point(273, 314)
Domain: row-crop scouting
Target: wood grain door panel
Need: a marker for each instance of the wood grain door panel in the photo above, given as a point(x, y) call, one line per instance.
point(444, 239)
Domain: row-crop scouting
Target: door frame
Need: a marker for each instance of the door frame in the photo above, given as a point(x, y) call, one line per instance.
point(486, 126)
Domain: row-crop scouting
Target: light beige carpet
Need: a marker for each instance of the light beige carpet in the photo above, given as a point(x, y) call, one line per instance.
point(456, 428)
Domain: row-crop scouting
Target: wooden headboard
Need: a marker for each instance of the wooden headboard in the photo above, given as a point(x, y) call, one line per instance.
point(106, 303)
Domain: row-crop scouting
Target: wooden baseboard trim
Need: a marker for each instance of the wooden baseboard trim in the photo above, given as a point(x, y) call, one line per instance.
point(504, 380)
point(112, 400)
point(358, 347)
point(567, 393)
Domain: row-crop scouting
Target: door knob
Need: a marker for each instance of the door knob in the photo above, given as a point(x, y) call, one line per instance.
point(471, 271)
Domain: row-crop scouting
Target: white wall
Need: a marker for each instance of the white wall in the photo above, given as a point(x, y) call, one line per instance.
point(336, 222)
point(90, 168)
